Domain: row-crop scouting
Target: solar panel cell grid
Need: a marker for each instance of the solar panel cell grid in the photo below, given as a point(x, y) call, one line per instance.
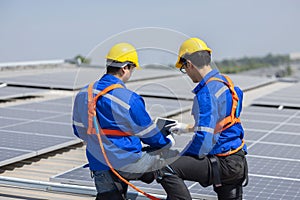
point(7, 154)
point(30, 142)
point(34, 128)
point(273, 159)
point(9, 92)
point(286, 97)
point(11, 112)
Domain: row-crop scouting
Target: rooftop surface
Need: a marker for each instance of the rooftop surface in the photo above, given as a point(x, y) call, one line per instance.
point(36, 107)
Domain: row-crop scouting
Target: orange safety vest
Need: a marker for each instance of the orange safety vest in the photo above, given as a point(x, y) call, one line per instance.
point(231, 119)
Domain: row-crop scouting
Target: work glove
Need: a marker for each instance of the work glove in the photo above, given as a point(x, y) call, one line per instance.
point(179, 128)
point(171, 138)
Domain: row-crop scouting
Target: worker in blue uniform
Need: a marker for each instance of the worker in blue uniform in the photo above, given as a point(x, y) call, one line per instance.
point(216, 154)
point(124, 124)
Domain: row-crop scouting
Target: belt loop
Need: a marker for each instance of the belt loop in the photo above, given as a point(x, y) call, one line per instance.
point(215, 171)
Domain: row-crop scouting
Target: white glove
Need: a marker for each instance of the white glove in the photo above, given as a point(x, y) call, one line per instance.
point(171, 138)
point(179, 128)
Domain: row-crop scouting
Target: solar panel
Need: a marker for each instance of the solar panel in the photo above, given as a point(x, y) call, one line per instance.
point(181, 86)
point(42, 126)
point(273, 159)
point(9, 92)
point(287, 97)
point(28, 141)
point(34, 128)
point(72, 78)
point(159, 107)
point(173, 87)
point(247, 82)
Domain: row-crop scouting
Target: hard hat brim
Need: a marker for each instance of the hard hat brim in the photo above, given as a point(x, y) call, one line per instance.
point(117, 64)
point(178, 65)
point(120, 64)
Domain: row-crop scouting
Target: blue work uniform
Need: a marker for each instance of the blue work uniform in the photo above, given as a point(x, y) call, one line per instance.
point(212, 103)
point(119, 110)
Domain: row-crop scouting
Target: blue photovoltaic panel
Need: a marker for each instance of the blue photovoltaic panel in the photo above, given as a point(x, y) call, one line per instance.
point(29, 142)
point(246, 82)
point(160, 107)
point(45, 125)
point(8, 154)
point(288, 97)
point(15, 114)
point(73, 78)
point(8, 121)
point(9, 92)
point(181, 86)
point(43, 128)
point(261, 187)
point(274, 167)
point(65, 119)
point(47, 106)
point(30, 129)
point(273, 159)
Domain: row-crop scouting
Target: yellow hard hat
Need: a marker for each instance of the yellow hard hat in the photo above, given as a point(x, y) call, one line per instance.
point(123, 52)
point(190, 46)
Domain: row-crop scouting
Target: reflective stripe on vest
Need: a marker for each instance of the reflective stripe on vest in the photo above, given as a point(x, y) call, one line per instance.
point(231, 119)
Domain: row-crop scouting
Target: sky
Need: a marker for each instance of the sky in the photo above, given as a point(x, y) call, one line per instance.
point(60, 29)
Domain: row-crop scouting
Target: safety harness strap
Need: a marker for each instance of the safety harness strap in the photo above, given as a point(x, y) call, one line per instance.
point(110, 132)
point(232, 151)
point(92, 104)
point(94, 128)
point(223, 125)
point(216, 178)
point(231, 119)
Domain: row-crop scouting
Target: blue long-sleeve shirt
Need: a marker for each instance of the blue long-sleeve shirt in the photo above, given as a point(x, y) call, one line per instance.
point(122, 110)
point(212, 103)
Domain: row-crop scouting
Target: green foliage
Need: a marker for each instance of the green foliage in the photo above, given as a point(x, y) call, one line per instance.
point(82, 59)
point(289, 70)
point(246, 63)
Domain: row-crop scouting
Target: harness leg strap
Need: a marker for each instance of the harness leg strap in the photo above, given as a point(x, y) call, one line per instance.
point(216, 179)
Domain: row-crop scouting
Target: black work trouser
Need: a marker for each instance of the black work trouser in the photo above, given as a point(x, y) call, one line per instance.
point(120, 188)
point(231, 168)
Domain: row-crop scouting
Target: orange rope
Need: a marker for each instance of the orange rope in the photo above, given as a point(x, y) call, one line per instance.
point(96, 130)
point(114, 171)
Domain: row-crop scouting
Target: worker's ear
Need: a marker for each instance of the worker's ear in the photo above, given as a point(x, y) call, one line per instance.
point(189, 64)
point(121, 72)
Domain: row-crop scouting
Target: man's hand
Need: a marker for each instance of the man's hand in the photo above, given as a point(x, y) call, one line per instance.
point(178, 128)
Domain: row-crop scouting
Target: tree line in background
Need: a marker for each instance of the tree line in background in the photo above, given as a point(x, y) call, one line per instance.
point(249, 63)
point(231, 66)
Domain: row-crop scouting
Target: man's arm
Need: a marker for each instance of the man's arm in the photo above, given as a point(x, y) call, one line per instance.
point(78, 113)
point(144, 128)
point(205, 115)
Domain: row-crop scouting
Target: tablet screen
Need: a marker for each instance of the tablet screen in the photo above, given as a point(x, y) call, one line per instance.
point(161, 124)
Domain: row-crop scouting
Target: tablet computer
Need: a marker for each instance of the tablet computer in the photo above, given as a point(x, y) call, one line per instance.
point(162, 123)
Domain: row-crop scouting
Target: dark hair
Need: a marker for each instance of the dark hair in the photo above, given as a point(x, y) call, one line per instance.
point(199, 58)
point(112, 70)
